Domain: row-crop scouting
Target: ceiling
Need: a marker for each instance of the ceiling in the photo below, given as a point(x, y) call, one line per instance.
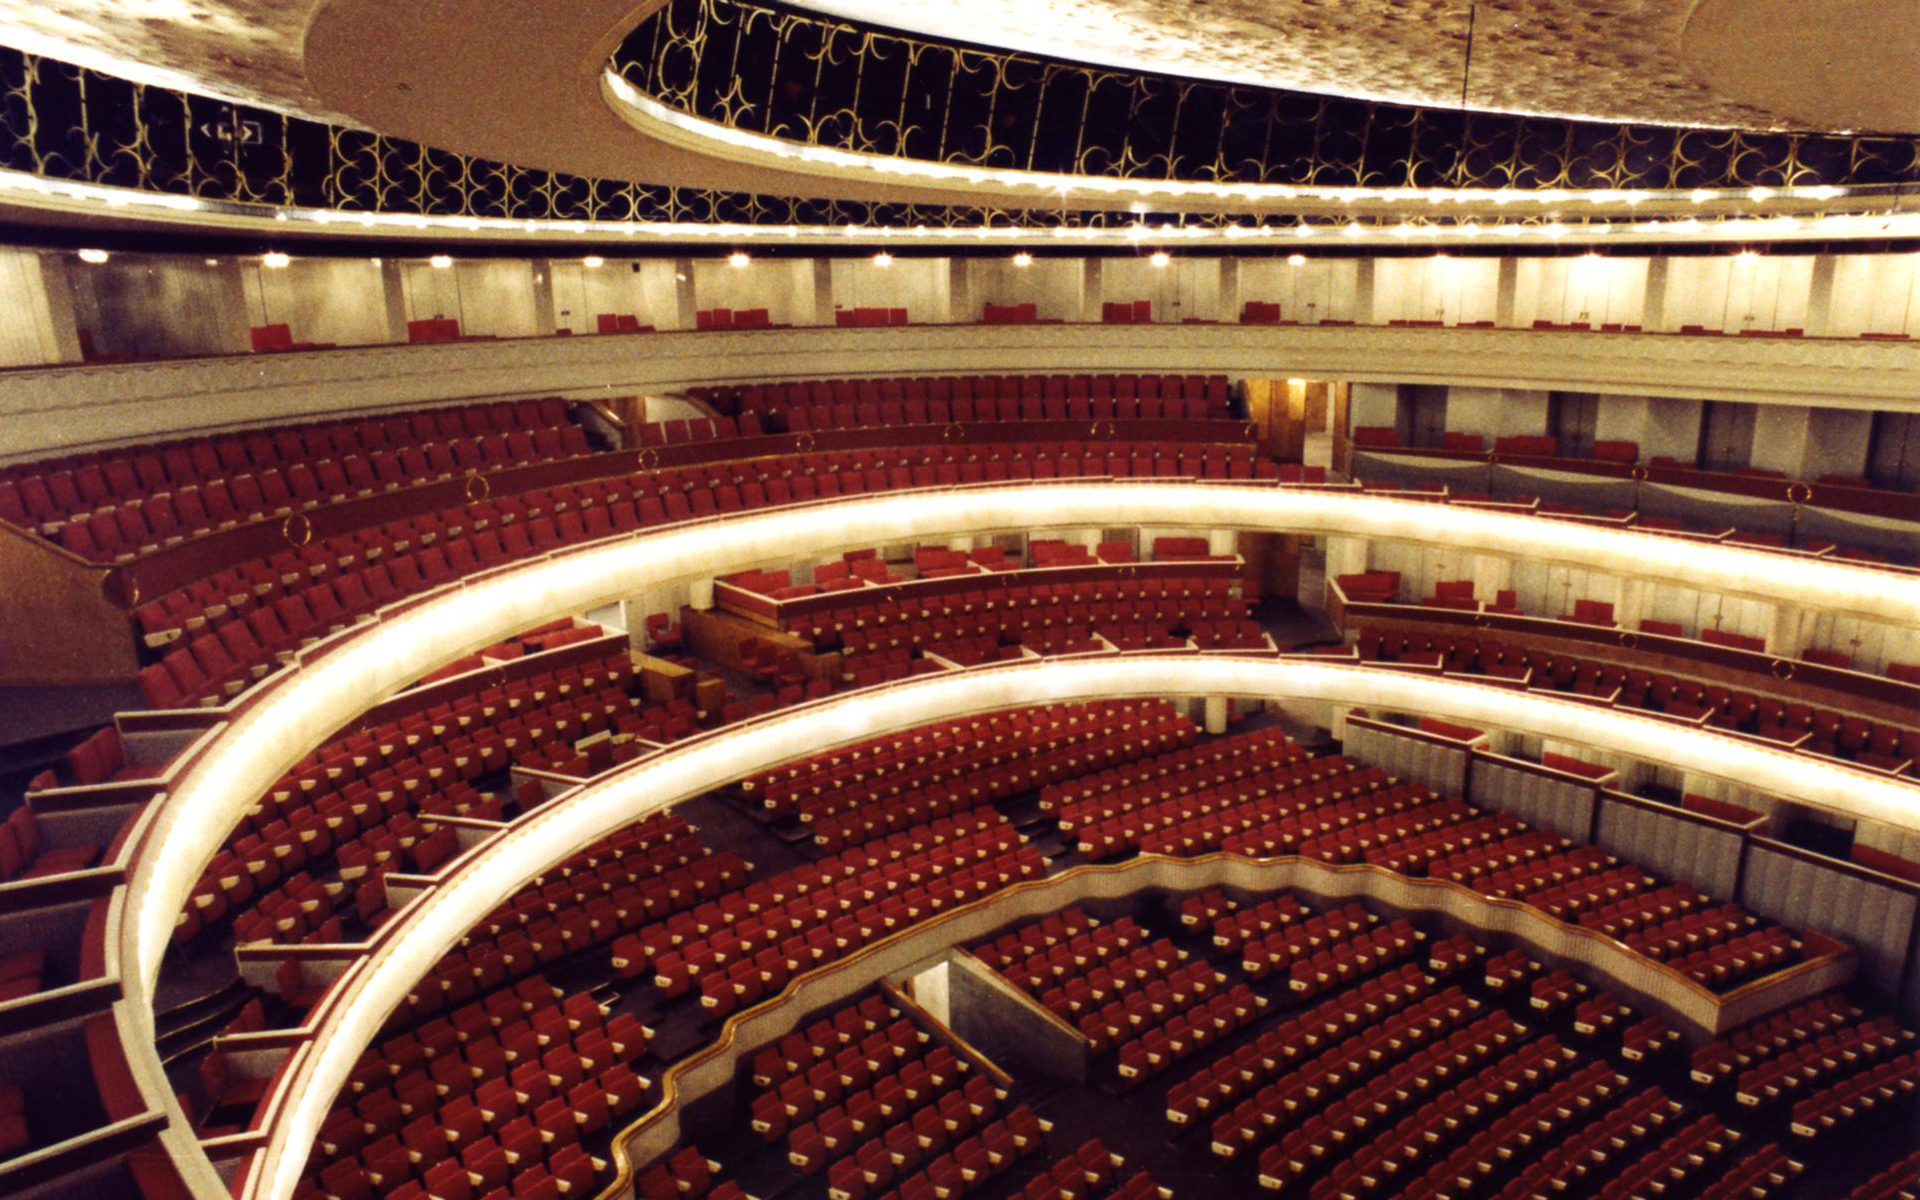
point(1615, 60)
point(1648, 61)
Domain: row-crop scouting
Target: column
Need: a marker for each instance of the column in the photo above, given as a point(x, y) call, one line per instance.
point(1229, 311)
point(41, 310)
point(1820, 295)
point(1223, 541)
point(544, 320)
point(1505, 292)
point(961, 305)
point(1092, 291)
point(1788, 636)
point(1653, 313)
point(823, 304)
point(1216, 719)
point(393, 289)
point(1363, 293)
point(1632, 608)
point(1346, 555)
point(685, 304)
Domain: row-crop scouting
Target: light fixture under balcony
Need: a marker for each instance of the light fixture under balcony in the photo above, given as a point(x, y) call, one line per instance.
point(94, 256)
point(1160, 258)
point(883, 259)
point(1023, 259)
point(440, 262)
point(1296, 260)
point(276, 259)
point(592, 261)
point(739, 259)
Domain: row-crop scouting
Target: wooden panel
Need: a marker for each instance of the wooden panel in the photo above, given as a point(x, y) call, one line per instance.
point(60, 626)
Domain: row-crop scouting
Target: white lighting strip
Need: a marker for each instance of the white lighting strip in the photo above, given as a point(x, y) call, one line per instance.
point(298, 710)
point(439, 919)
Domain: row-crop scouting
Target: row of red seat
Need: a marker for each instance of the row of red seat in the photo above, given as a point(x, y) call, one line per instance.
point(502, 1105)
point(828, 915)
point(924, 392)
point(1124, 730)
point(1733, 1053)
point(950, 752)
point(356, 799)
point(139, 526)
point(49, 491)
point(691, 928)
point(1827, 731)
point(22, 856)
point(387, 562)
point(1019, 605)
point(536, 928)
point(1886, 1082)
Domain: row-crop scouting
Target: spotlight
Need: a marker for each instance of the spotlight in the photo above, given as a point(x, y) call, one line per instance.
point(276, 259)
point(93, 256)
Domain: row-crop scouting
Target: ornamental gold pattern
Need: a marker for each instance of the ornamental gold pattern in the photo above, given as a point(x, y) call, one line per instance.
point(757, 66)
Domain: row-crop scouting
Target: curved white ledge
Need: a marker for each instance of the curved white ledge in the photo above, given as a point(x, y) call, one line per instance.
point(74, 408)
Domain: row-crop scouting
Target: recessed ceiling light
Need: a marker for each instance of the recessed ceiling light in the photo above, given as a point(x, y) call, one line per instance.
point(93, 256)
point(213, 262)
point(1296, 260)
point(275, 259)
point(739, 258)
point(883, 259)
point(593, 260)
point(1023, 259)
point(1160, 258)
point(440, 262)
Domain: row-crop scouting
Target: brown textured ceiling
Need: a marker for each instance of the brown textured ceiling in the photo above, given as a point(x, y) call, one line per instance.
point(1606, 59)
point(1613, 59)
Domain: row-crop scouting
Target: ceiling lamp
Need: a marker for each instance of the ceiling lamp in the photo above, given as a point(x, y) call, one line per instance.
point(1160, 258)
point(593, 260)
point(440, 262)
point(738, 259)
point(883, 259)
point(1296, 260)
point(276, 259)
point(93, 256)
point(1023, 259)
